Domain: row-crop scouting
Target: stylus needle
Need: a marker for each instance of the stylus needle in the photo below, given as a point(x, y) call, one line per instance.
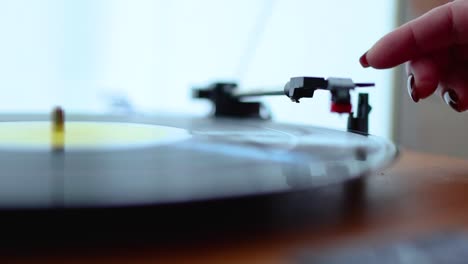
point(58, 129)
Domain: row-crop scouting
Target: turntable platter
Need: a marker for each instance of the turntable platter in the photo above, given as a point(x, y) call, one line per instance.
point(136, 161)
point(38, 135)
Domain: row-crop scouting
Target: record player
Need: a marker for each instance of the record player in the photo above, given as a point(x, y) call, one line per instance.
point(96, 171)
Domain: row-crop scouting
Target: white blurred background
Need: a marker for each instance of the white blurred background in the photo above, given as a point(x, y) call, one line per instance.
point(87, 54)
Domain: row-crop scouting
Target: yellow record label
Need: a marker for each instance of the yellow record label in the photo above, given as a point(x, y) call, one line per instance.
point(85, 135)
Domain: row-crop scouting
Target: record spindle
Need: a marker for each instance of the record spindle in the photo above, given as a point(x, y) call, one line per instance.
point(58, 130)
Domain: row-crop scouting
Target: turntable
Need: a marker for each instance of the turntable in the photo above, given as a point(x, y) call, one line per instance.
point(77, 169)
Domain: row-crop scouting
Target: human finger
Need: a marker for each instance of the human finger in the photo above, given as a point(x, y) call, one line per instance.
point(440, 28)
point(424, 77)
point(454, 89)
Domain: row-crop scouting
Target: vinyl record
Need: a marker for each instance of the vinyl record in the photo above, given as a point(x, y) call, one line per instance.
point(115, 161)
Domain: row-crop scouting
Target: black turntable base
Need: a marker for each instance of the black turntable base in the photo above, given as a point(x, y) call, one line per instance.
point(113, 176)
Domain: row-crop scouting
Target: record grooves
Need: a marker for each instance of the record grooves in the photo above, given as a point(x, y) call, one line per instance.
point(216, 158)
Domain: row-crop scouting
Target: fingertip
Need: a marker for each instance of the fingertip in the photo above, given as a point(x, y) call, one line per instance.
point(379, 57)
point(411, 91)
point(389, 51)
point(451, 99)
point(426, 76)
point(454, 90)
point(363, 61)
point(424, 88)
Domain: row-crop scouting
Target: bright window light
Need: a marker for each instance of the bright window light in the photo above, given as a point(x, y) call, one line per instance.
point(84, 55)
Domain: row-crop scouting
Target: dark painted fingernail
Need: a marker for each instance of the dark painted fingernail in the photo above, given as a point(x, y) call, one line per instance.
point(451, 98)
point(411, 91)
point(363, 61)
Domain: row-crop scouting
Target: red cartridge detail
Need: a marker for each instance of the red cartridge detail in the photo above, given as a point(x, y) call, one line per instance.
point(340, 108)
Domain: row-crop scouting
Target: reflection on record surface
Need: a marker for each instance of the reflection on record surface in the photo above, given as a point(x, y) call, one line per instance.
point(215, 158)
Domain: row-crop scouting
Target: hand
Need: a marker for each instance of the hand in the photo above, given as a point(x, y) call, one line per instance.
point(436, 49)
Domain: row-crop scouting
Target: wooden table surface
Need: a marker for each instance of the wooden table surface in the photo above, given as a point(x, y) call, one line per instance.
point(420, 194)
